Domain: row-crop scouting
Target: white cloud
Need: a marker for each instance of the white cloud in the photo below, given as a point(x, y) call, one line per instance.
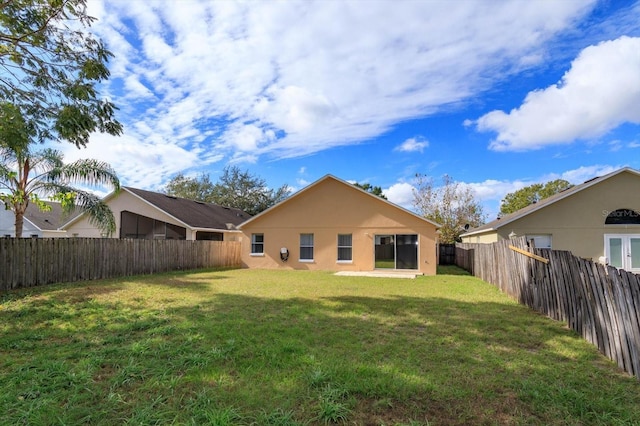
point(286, 79)
point(582, 174)
point(400, 193)
point(495, 190)
point(143, 164)
point(135, 89)
point(417, 144)
point(600, 92)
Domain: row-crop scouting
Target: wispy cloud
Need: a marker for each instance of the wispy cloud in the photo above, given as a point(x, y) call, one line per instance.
point(242, 81)
point(416, 144)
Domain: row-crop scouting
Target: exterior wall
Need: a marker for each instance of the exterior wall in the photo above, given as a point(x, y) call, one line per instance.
point(53, 234)
point(576, 223)
point(487, 238)
point(8, 225)
point(121, 202)
point(326, 210)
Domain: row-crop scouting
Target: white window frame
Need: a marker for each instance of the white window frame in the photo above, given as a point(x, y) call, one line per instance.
point(311, 246)
point(536, 236)
point(626, 255)
point(350, 247)
point(257, 243)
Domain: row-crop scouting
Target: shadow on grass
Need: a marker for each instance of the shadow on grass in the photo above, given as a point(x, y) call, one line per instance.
point(391, 360)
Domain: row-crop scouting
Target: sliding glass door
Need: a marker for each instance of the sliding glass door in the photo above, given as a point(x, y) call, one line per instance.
point(396, 251)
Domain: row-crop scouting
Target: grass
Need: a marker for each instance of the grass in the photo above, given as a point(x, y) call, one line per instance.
point(249, 347)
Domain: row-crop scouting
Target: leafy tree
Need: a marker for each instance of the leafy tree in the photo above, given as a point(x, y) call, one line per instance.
point(523, 197)
point(451, 204)
point(50, 65)
point(236, 188)
point(27, 176)
point(199, 188)
point(375, 190)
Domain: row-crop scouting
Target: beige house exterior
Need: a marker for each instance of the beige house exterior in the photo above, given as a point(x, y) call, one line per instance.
point(333, 225)
point(142, 214)
point(598, 220)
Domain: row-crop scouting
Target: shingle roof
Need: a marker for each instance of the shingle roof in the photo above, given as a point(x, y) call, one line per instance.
point(195, 214)
point(504, 220)
point(48, 220)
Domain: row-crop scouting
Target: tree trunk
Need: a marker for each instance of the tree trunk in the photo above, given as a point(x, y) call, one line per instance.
point(20, 209)
point(19, 223)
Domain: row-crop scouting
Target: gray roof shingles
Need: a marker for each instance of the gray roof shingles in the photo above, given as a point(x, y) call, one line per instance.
point(195, 214)
point(49, 220)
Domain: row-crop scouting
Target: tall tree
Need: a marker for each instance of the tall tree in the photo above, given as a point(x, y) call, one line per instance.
point(235, 188)
point(50, 68)
point(199, 188)
point(450, 204)
point(523, 197)
point(28, 176)
point(375, 190)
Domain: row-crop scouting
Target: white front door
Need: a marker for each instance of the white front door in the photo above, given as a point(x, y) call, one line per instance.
point(623, 251)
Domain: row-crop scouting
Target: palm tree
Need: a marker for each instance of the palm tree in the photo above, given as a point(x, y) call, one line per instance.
point(28, 176)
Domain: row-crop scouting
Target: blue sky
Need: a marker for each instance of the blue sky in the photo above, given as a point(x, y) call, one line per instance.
point(498, 95)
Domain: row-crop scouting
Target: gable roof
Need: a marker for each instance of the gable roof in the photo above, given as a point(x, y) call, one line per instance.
point(353, 187)
point(505, 220)
point(50, 220)
point(194, 214)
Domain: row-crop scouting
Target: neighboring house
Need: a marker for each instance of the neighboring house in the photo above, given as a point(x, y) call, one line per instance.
point(333, 225)
point(150, 215)
point(37, 223)
point(598, 220)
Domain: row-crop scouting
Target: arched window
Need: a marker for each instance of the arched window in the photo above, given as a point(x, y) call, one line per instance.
point(623, 217)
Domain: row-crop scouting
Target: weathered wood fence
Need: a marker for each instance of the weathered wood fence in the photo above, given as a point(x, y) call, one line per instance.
point(29, 262)
point(599, 302)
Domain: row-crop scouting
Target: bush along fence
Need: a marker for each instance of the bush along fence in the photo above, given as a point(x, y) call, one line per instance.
point(599, 302)
point(29, 262)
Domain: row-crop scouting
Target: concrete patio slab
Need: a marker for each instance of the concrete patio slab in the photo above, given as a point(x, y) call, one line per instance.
point(379, 274)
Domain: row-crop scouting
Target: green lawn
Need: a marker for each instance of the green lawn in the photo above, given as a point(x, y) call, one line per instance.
point(241, 347)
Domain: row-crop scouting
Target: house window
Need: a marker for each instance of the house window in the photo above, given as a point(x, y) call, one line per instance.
point(540, 241)
point(345, 248)
point(257, 244)
point(306, 247)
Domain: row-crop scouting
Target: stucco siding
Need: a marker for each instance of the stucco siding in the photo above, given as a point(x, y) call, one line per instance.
point(326, 210)
point(577, 222)
point(486, 238)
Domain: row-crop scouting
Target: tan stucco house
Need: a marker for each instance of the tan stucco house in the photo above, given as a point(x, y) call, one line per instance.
point(141, 214)
point(598, 220)
point(333, 225)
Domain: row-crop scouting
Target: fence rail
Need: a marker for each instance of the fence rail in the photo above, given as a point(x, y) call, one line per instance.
point(601, 303)
point(29, 262)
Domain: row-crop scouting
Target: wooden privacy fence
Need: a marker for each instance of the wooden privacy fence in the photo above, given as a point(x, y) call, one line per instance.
point(29, 262)
point(446, 254)
point(599, 302)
